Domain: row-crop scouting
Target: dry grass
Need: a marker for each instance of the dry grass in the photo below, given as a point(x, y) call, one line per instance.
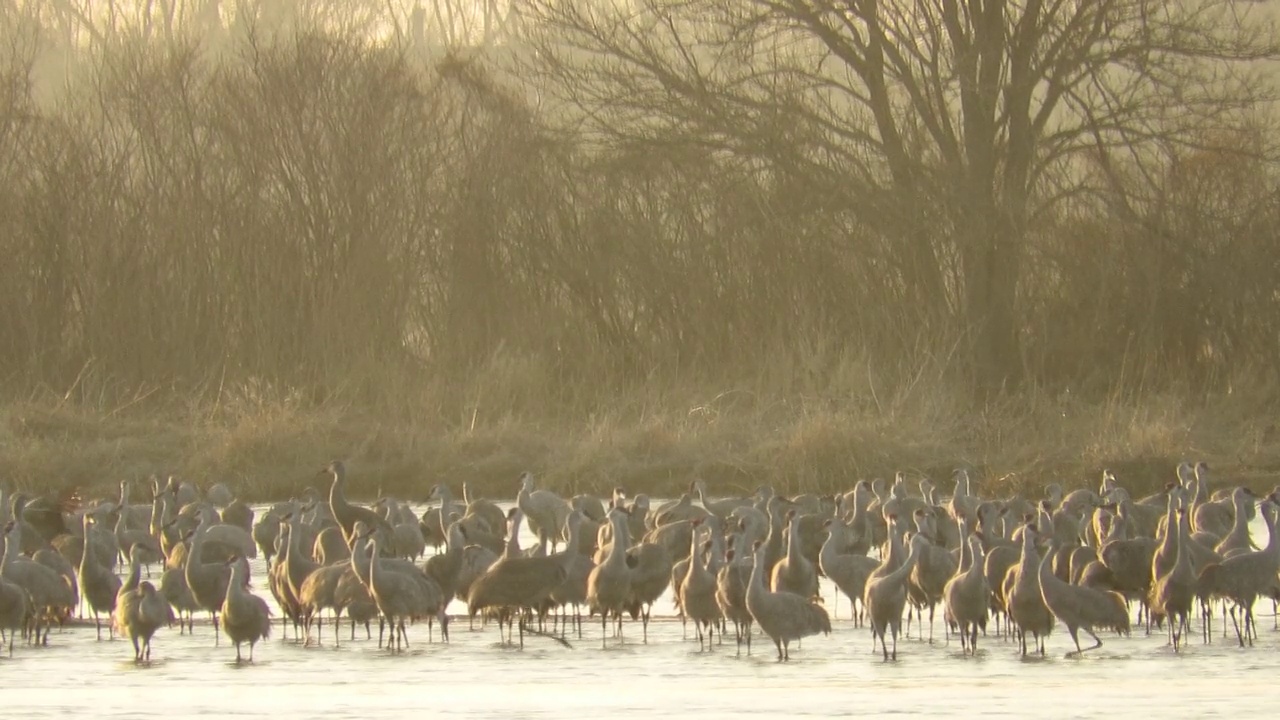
point(269, 443)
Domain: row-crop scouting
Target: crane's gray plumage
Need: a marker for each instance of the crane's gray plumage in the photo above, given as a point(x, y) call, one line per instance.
point(783, 616)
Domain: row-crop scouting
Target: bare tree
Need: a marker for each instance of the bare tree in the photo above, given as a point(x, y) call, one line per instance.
point(949, 126)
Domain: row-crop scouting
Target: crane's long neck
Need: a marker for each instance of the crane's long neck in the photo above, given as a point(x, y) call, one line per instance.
point(755, 584)
point(1029, 555)
point(235, 588)
point(1045, 570)
point(86, 556)
point(715, 558)
point(702, 496)
point(338, 494)
point(135, 571)
point(1181, 553)
point(360, 558)
point(446, 507)
point(157, 515)
point(454, 542)
point(899, 575)
point(1240, 521)
point(571, 541)
point(289, 542)
point(197, 539)
point(375, 564)
point(695, 556)
point(793, 541)
point(977, 557)
point(831, 547)
point(894, 556)
point(11, 544)
point(513, 538)
point(621, 540)
point(1273, 543)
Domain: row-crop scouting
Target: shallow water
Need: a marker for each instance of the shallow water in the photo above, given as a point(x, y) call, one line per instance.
point(474, 677)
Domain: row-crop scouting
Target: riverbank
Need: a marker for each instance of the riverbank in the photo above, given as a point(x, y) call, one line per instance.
point(268, 444)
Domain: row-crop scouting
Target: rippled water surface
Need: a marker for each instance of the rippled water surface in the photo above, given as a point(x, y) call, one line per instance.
point(473, 676)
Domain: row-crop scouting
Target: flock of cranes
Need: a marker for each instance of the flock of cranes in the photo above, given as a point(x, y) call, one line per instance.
point(1086, 559)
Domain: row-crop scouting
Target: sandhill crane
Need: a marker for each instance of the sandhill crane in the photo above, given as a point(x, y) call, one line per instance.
point(1163, 557)
point(731, 588)
point(679, 570)
point(98, 585)
point(423, 601)
point(51, 594)
point(721, 508)
point(783, 616)
point(515, 583)
point(207, 581)
point(434, 520)
point(1207, 515)
point(15, 605)
point(933, 569)
point(886, 596)
point(590, 506)
point(682, 509)
point(1130, 561)
point(1237, 538)
point(1023, 600)
point(265, 532)
point(397, 596)
point(609, 583)
point(444, 567)
point(484, 510)
point(318, 593)
point(238, 514)
point(573, 591)
point(1242, 578)
point(698, 589)
point(176, 592)
point(650, 564)
point(794, 573)
point(1174, 590)
point(245, 616)
point(328, 547)
point(849, 571)
point(127, 537)
point(1081, 608)
point(775, 511)
point(476, 560)
point(409, 541)
point(963, 503)
point(676, 537)
point(139, 613)
point(966, 596)
point(347, 514)
point(219, 495)
point(544, 510)
point(278, 579)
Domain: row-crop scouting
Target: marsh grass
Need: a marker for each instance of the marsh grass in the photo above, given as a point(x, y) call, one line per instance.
point(269, 442)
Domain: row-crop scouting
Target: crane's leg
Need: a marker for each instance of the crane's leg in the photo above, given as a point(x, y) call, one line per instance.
point(604, 627)
point(1075, 637)
point(1097, 641)
point(1239, 636)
